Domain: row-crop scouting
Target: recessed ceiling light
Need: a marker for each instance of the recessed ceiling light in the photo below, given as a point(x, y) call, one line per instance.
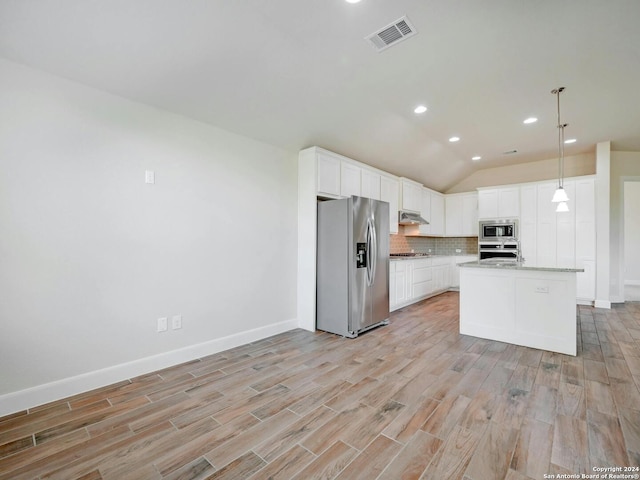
point(571, 140)
point(420, 109)
point(530, 120)
point(353, 1)
point(454, 139)
point(477, 157)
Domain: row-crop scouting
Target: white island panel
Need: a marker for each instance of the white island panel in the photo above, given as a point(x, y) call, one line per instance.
point(529, 307)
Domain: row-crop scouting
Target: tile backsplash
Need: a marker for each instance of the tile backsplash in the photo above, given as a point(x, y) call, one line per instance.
point(435, 245)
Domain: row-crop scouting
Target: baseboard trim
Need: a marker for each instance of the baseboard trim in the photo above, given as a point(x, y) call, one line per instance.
point(602, 304)
point(31, 397)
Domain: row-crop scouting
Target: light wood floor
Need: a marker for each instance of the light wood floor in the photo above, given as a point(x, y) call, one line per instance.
point(410, 400)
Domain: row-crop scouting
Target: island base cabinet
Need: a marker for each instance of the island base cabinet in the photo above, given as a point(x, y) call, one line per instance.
point(524, 307)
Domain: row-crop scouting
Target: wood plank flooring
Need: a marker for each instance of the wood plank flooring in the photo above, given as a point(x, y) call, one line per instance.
point(412, 400)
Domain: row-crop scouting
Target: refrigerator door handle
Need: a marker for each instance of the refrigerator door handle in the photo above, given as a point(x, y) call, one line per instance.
point(371, 254)
point(374, 252)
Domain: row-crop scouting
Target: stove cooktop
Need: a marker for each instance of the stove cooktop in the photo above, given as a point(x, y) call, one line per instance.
point(414, 254)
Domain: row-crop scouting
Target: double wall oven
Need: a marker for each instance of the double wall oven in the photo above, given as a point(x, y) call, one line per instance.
point(498, 239)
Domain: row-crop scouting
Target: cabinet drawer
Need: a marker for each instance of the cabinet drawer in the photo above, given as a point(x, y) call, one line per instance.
point(422, 289)
point(422, 274)
point(441, 261)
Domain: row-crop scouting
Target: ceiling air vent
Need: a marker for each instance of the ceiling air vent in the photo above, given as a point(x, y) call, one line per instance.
point(399, 30)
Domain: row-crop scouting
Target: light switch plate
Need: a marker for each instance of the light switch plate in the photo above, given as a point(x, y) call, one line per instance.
point(162, 324)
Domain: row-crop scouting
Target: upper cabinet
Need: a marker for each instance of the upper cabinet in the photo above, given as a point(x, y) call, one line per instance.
point(328, 175)
point(500, 202)
point(437, 214)
point(461, 213)
point(350, 176)
point(389, 193)
point(370, 185)
point(410, 195)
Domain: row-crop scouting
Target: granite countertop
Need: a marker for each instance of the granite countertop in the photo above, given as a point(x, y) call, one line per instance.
point(510, 265)
point(429, 255)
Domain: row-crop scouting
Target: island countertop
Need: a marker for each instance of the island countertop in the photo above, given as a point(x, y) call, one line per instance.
point(511, 265)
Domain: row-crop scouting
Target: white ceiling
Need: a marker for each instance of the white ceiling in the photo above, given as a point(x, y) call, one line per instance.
point(297, 73)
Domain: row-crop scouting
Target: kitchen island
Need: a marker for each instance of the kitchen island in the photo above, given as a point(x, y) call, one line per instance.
point(516, 303)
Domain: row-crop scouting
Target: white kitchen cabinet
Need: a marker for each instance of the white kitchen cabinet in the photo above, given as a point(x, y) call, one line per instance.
point(410, 195)
point(566, 232)
point(453, 215)
point(389, 193)
point(455, 269)
point(421, 282)
point(470, 214)
point(499, 202)
point(399, 296)
point(437, 214)
point(425, 212)
point(441, 273)
point(350, 180)
point(546, 226)
point(585, 203)
point(370, 184)
point(461, 215)
point(565, 239)
point(528, 223)
point(328, 175)
point(509, 202)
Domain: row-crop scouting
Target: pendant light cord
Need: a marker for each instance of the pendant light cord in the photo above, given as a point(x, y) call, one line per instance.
point(560, 140)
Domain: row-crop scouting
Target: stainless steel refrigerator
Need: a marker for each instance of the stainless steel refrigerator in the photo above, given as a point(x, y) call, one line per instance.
point(353, 265)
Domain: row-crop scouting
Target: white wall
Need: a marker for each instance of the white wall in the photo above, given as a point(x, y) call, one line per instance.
point(624, 166)
point(91, 256)
point(632, 232)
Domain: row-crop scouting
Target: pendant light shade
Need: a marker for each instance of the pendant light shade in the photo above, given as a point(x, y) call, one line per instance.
point(560, 196)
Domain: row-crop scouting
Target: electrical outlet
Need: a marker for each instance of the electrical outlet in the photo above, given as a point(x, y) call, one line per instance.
point(176, 322)
point(542, 289)
point(162, 324)
point(458, 250)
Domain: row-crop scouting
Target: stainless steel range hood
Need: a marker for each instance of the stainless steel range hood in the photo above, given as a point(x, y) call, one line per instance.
point(410, 218)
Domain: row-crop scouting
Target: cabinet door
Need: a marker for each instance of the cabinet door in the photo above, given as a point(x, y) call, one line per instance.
point(470, 215)
point(328, 177)
point(389, 193)
point(509, 202)
point(528, 223)
point(566, 232)
point(370, 185)
point(411, 196)
point(453, 215)
point(584, 205)
point(437, 214)
point(546, 226)
point(349, 180)
point(401, 293)
point(393, 301)
point(488, 203)
point(425, 212)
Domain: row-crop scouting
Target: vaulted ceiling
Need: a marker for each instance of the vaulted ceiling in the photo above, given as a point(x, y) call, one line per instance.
point(297, 73)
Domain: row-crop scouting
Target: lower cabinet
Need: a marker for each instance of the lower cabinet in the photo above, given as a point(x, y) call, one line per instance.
point(413, 280)
point(455, 269)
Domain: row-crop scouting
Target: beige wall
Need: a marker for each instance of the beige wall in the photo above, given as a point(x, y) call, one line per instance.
point(624, 166)
point(575, 166)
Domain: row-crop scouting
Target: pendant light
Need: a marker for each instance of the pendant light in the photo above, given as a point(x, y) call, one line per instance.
point(560, 196)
